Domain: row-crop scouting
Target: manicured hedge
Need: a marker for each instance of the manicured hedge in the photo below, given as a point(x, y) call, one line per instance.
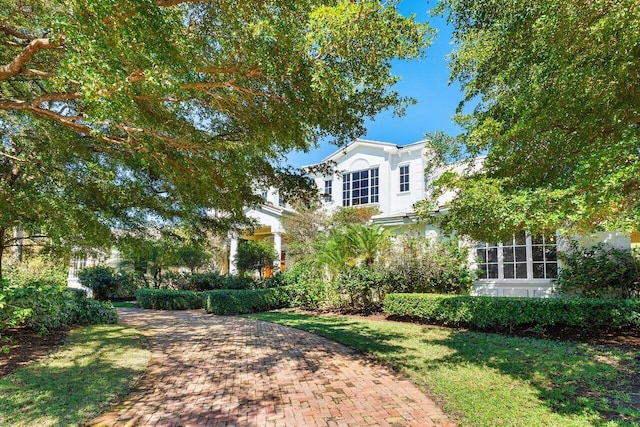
point(491, 312)
point(164, 299)
point(247, 301)
point(86, 311)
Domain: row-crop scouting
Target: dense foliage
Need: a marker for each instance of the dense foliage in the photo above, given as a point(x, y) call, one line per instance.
point(555, 97)
point(362, 286)
point(350, 263)
point(165, 299)
point(43, 305)
point(103, 281)
point(35, 294)
point(599, 271)
point(419, 265)
point(117, 114)
point(247, 301)
point(348, 246)
point(254, 255)
point(308, 286)
point(503, 312)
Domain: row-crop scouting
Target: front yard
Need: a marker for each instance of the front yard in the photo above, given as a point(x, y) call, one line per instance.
point(97, 365)
point(488, 379)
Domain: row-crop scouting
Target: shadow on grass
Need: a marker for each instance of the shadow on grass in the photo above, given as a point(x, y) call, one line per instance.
point(571, 379)
point(96, 366)
point(352, 333)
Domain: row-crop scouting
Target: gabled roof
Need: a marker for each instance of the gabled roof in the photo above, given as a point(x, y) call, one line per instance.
point(357, 143)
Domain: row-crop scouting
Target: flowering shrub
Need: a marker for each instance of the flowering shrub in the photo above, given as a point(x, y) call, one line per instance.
point(600, 271)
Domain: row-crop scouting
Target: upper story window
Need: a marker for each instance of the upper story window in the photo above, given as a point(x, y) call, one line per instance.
point(328, 190)
point(360, 188)
point(264, 195)
point(404, 178)
point(525, 256)
point(282, 200)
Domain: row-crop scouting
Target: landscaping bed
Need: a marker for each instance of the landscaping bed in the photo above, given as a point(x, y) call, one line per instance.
point(25, 346)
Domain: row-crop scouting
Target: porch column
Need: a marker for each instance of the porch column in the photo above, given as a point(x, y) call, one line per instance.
point(233, 252)
point(277, 245)
point(18, 234)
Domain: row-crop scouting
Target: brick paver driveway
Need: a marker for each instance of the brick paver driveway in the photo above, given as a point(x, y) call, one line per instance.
point(227, 371)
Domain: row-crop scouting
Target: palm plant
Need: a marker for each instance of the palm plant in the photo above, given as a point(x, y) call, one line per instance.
point(333, 252)
point(366, 242)
point(355, 244)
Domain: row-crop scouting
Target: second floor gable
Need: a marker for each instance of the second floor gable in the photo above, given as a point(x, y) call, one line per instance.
point(371, 173)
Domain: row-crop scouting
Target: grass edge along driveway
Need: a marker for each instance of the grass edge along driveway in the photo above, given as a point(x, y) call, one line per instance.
point(488, 379)
point(96, 366)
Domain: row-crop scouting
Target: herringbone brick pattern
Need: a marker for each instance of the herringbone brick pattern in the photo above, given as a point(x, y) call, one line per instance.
point(228, 371)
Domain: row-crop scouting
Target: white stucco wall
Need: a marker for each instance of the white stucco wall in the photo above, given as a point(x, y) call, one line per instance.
point(388, 158)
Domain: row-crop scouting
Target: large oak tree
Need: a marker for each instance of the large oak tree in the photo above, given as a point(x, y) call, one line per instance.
point(115, 113)
point(555, 92)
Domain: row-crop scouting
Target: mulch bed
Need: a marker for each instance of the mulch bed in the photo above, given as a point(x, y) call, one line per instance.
point(26, 346)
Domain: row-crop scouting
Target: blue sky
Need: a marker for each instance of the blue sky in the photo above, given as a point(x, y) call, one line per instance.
point(425, 80)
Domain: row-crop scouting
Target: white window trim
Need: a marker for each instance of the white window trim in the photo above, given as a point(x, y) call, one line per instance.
point(328, 199)
point(350, 191)
point(529, 256)
point(400, 166)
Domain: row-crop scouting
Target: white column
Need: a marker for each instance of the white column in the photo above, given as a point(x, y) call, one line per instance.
point(277, 245)
point(17, 248)
point(233, 252)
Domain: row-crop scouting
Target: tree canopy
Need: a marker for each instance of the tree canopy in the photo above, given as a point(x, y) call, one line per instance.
point(115, 113)
point(555, 92)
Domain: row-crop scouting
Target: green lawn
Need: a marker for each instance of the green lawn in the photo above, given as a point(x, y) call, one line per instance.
point(494, 380)
point(97, 365)
point(124, 304)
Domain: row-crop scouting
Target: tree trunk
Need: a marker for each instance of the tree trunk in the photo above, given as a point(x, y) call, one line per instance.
point(2, 233)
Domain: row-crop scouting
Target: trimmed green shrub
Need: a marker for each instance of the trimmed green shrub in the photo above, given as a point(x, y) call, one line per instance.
point(207, 282)
point(599, 271)
point(503, 312)
point(247, 301)
point(106, 283)
point(363, 286)
point(166, 299)
point(85, 311)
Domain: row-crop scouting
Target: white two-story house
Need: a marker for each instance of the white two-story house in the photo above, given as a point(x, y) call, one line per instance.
point(392, 179)
point(382, 175)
